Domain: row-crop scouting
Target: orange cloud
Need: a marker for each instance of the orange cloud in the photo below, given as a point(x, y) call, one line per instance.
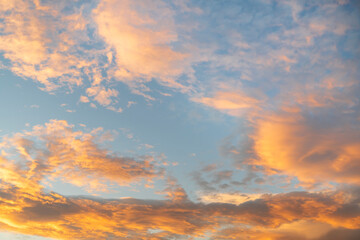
point(55, 150)
point(61, 217)
point(84, 99)
point(101, 94)
point(286, 59)
point(232, 198)
point(45, 42)
point(30, 40)
point(304, 231)
point(233, 103)
point(141, 41)
point(300, 146)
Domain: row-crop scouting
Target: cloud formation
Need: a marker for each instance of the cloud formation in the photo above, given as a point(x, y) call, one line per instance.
point(301, 145)
point(56, 151)
point(288, 70)
point(141, 35)
point(62, 217)
point(96, 44)
point(34, 42)
point(78, 44)
point(232, 103)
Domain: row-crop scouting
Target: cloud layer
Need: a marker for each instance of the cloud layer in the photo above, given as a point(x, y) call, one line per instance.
point(56, 216)
point(89, 45)
point(288, 71)
point(56, 150)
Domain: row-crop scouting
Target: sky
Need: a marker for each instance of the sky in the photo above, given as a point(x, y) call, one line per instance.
point(184, 119)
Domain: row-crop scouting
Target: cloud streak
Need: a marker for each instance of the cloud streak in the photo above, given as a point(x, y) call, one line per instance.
point(56, 151)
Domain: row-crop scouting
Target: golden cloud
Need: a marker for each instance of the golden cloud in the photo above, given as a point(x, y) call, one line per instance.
point(61, 217)
point(300, 145)
point(56, 150)
point(50, 44)
point(32, 42)
point(230, 102)
point(141, 41)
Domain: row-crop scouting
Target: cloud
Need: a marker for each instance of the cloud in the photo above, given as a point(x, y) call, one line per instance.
point(101, 94)
point(288, 56)
point(119, 110)
point(298, 106)
point(301, 144)
point(233, 103)
point(37, 47)
point(292, 69)
point(84, 99)
point(56, 151)
point(62, 217)
point(231, 198)
point(130, 103)
point(302, 232)
point(141, 37)
point(95, 44)
point(63, 44)
point(341, 234)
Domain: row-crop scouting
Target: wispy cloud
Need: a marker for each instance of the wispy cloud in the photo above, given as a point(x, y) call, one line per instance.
point(74, 217)
point(56, 150)
point(233, 103)
point(101, 43)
